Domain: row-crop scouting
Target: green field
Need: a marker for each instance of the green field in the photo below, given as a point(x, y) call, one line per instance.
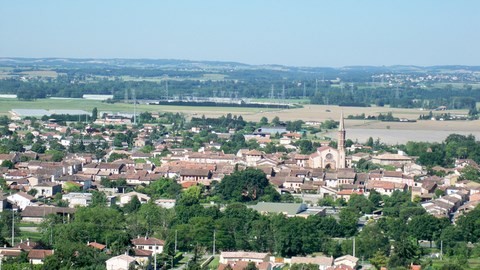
point(82, 104)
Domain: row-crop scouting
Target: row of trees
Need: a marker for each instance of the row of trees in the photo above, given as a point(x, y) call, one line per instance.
point(455, 146)
point(249, 86)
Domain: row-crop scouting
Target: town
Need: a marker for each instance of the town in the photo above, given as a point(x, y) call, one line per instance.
point(158, 190)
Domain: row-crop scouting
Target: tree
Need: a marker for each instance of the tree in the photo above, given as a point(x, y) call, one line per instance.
point(306, 146)
point(39, 147)
point(372, 240)
point(276, 121)
point(263, 121)
point(32, 192)
point(7, 164)
point(375, 197)
point(164, 187)
point(406, 251)
point(98, 199)
point(426, 227)
point(470, 173)
point(348, 221)
point(244, 186)
point(251, 266)
point(369, 142)
point(379, 260)
point(94, 114)
point(360, 203)
point(133, 205)
point(469, 225)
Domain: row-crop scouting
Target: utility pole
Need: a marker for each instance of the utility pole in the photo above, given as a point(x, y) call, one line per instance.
point(154, 259)
point(134, 107)
point(213, 243)
point(441, 249)
point(175, 242)
point(166, 88)
point(13, 227)
point(304, 91)
point(353, 246)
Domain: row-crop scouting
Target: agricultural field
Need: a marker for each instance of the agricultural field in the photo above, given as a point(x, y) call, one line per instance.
point(82, 104)
point(358, 130)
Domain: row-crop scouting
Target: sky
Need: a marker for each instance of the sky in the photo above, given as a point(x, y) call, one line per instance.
point(317, 33)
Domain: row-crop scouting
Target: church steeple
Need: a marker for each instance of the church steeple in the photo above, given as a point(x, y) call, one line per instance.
point(341, 126)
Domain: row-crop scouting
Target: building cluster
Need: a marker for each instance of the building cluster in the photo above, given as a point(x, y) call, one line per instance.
point(328, 172)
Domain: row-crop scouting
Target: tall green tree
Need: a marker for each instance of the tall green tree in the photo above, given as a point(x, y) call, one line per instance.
point(94, 114)
point(244, 186)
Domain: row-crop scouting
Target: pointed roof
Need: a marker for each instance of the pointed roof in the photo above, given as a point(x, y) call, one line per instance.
point(341, 127)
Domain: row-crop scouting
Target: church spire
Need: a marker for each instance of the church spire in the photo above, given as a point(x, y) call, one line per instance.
point(342, 124)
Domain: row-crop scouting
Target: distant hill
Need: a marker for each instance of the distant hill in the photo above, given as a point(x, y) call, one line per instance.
point(215, 65)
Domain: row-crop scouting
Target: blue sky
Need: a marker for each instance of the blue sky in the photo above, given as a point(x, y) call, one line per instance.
point(300, 33)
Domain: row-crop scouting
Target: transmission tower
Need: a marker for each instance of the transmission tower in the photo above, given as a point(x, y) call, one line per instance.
point(134, 97)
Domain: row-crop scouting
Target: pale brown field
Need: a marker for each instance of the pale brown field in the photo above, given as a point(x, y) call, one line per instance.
point(325, 112)
point(41, 73)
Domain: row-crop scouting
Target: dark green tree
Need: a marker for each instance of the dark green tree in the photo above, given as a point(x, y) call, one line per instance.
point(244, 186)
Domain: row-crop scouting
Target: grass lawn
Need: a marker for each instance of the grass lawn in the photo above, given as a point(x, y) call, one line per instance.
point(34, 236)
point(473, 263)
point(26, 224)
point(214, 263)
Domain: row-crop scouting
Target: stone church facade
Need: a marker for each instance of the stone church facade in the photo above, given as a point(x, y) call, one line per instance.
point(327, 157)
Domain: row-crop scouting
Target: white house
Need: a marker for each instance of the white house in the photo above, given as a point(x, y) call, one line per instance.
point(255, 257)
point(21, 199)
point(348, 260)
point(149, 243)
point(77, 199)
point(126, 197)
point(121, 262)
point(37, 256)
point(322, 261)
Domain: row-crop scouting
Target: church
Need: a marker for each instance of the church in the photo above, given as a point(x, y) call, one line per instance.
point(327, 157)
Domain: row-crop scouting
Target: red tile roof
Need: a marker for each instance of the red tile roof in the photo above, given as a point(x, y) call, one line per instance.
point(147, 241)
point(39, 253)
